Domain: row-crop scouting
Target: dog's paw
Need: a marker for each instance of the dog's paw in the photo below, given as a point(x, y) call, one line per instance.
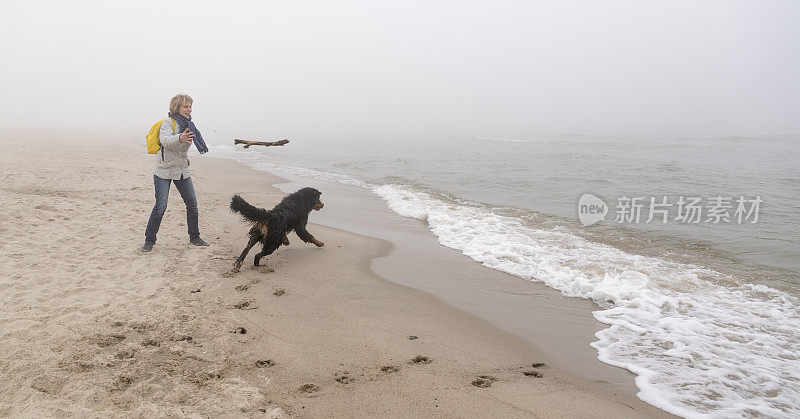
point(318, 243)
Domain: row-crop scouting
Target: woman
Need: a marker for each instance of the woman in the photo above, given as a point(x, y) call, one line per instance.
point(172, 165)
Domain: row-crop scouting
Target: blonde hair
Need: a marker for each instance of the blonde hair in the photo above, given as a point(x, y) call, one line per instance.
point(179, 100)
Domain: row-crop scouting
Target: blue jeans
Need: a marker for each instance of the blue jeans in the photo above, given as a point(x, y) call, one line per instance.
point(186, 189)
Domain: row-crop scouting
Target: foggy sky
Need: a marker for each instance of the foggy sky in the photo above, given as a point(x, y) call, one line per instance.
point(331, 69)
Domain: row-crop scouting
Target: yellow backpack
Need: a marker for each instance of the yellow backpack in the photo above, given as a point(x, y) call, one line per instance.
point(153, 145)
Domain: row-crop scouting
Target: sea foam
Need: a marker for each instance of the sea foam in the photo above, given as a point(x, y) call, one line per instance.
point(700, 343)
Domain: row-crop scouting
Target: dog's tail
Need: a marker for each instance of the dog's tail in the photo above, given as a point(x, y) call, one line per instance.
point(251, 213)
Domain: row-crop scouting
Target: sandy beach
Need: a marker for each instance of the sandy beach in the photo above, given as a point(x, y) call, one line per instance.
point(91, 327)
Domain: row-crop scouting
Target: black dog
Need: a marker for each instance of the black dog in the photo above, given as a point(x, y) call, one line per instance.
point(271, 227)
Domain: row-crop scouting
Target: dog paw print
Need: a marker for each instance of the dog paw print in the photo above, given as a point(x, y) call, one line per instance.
point(534, 373)
point(151, 342)
point(484, 381)
point(344, 377)
point(246, 305)
point(128, 354)
point(105, 341)
point(261, 363)
point(308, 388)
point(389, 369)
point(419, 359)
point(121, 382)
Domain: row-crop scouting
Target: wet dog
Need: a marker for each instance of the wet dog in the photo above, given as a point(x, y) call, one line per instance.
point(270, 227)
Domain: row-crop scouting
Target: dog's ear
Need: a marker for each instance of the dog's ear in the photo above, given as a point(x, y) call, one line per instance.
point(310, 197)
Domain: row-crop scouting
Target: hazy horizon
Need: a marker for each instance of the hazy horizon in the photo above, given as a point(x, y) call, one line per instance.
point(266, 70)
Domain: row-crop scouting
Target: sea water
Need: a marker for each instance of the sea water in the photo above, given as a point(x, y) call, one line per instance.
point(704, 311)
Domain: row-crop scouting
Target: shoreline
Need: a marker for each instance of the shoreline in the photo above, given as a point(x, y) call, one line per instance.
point(561, 327)
point(101, 329)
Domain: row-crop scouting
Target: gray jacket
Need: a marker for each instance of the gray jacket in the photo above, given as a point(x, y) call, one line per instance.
point(171, 161)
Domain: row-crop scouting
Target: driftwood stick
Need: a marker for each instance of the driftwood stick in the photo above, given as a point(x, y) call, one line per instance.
point(264, 143)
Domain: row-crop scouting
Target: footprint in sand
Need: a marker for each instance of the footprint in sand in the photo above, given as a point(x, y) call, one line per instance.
point(48, 384)
point(532, 373)
point(484, 381)
point(389, 369)
point(244, 287)
point(309, 388)
point(105, 341)
point(246, 305)
point(121, 383)
point(261, 363)
point(151, 342)
point(419, 359)
point(129, 353)
point(344, 377)
point(278, 292)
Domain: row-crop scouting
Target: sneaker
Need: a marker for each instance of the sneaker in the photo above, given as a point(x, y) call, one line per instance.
point(197, 241)
point(147, 247)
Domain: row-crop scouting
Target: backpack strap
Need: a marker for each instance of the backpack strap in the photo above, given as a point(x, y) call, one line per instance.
point(173, 130)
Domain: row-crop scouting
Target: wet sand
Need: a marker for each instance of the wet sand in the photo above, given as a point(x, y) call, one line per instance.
point(561, 327)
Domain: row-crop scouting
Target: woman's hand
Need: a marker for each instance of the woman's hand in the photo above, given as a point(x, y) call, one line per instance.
point(186, 136)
